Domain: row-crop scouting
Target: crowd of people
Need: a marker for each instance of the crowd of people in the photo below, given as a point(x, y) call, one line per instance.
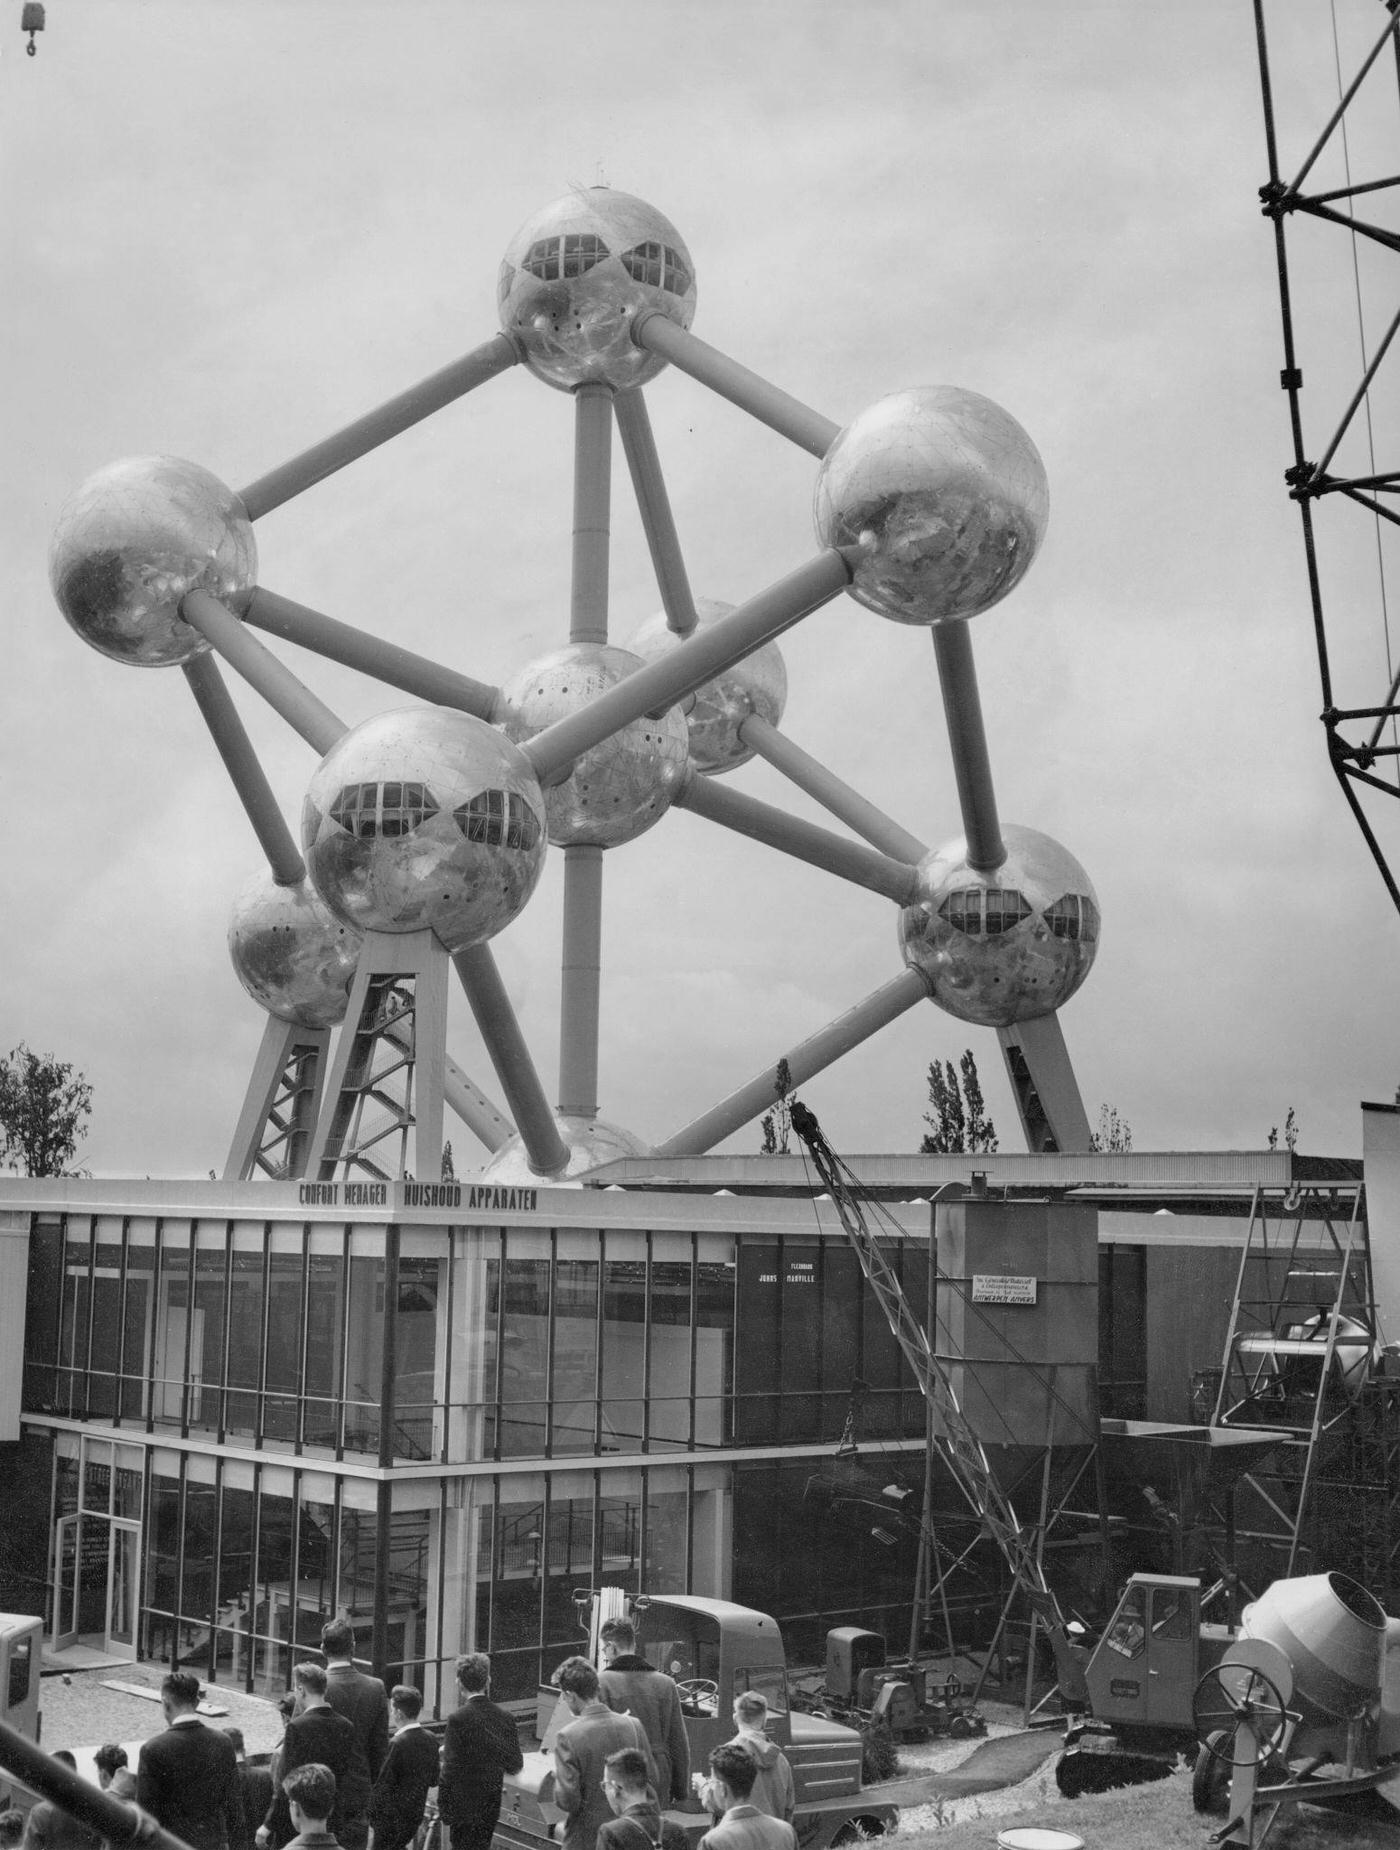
point(356, 1767)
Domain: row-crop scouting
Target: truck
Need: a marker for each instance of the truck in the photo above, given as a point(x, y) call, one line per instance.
point(716, 1650)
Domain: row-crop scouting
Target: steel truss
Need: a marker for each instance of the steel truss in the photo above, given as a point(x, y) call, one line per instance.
point(1358, 757)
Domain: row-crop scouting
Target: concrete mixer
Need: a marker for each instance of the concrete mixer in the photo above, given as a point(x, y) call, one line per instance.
point(1302, 1702)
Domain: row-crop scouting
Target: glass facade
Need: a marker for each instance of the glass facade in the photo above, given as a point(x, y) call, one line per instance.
point(441, 1432)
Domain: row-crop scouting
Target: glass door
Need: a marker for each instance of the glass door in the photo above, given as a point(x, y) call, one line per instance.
point(65, 1593)
point(121, 1586)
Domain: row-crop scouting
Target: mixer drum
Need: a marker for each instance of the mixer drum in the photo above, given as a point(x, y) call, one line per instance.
point(1333, 1633)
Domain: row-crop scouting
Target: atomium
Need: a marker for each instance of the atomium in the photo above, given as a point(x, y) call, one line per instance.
point(621, 787)
point(576, 274)
point(1008, 945)
point(135, 539)
point(946, 496)
point(434, 821)
point(292, 954)
point(756, 686)
point(423, 820)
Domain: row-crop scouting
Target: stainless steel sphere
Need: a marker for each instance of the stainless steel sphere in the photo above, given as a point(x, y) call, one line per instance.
point(591, 1143)
point(424, 819)
point(292, 954)
point(758, 684)
point(946, 494)
point(1008, 946)
point(619, 789)
point(133, 540)
point(576, 273)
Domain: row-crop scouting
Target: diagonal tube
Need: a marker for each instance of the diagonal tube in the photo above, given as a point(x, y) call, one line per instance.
point(967, 739)
point(808, 429)
point(545, 1149)
point(260, 668)
point(805, 841)
point(241, 762)
point(881, 1007)
point(704, 655)
point(386, 661)
point(871, 824)
point(375, 427)
point(654, 506)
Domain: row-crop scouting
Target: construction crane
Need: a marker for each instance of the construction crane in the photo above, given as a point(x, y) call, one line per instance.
point(953, 1436)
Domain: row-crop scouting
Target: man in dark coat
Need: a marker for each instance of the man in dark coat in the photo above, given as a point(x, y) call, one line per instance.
point(581, 1748)
point(187, 1777)
point(254, 1787)
point(410, 1768)
point(631, 1686)
point(316, 1736)
point(362, 1701)
point(480, 1748)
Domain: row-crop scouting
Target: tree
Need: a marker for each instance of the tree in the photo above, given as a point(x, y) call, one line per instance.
point(1114, 1132)
point(777, 1123)
point(449, 1171)
point(957, 1114)
point(43, 1104)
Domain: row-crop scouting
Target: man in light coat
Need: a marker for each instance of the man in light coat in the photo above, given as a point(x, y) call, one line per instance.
point(631, 1686)
point(742, 1826)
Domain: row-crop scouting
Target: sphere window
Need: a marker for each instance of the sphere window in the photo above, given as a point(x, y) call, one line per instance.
point(553, 259)
point(500, 818)
point(369, 810)
point(1074, 916)
point(658, 265)
point(975, 910)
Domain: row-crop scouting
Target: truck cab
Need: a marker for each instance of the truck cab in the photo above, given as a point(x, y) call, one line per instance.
point(1145, 1668)
point(716, 1650)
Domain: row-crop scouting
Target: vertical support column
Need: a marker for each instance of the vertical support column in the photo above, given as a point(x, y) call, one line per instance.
point(588, 604)
point(581, 970)
point(582, 976)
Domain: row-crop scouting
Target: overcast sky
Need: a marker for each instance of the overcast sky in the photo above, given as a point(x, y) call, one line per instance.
point(231, 227)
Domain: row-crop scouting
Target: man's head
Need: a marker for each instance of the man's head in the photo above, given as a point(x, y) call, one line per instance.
point(309, 1681)
point(11, 1827)
point(107, 1759)
point(240, 1746)
point(618, 1638)
point(733, 1770)
point(179, 1694)
point(751, 1711)
point(625, 1778)
point(310, 1791)
point(473, 1673)
point(577, 1682)
point(405, 1704)
point(338, 1641)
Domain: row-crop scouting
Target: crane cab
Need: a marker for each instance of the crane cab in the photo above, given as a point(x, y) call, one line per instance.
point(1144, 1669)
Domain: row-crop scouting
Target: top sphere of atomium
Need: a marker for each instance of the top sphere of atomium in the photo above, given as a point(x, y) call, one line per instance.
point(577, 273)
point(756, 685)
point(133, 540)
point(291, 953)
point(1006, 946)
point(947, 497)
point(424, 819)
point(622, 785)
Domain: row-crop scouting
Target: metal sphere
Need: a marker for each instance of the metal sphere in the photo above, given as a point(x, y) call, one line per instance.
point(758, 684)
point(291, 953)
point(424, 819)
point(574, 276)
point(617, 790)
point(133, 540)
point(591, 1143)
point(947, 496)
point(1008, 946)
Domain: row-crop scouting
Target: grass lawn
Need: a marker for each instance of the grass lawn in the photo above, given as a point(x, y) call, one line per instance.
point(1160, 1817)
